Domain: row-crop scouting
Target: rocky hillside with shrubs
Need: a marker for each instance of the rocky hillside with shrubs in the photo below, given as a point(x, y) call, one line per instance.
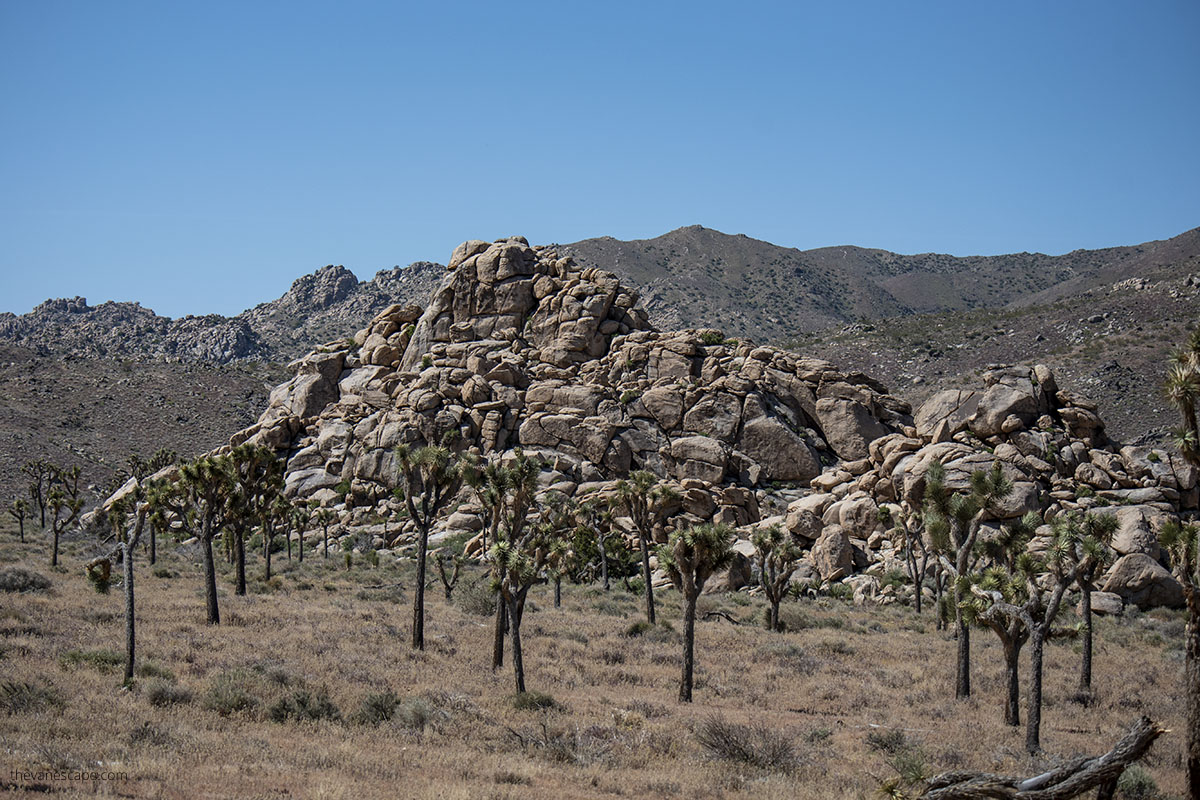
point(523, 347)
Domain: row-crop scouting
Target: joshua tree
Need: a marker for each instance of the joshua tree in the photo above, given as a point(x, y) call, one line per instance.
point(596, 519)
point(1007, 582)
point(645, 499)
point(521, 560)
point(1183, 390)
point(256, 482)
point(910, 528)
point(1093, 554)
point(453, 563)
point(690, 557)
point(1046, 580)
point(1181, 542)
point(273, 517)
point(506, 494)
point(778, 557)
point(323, 517)
point(952, 520)
point(119, 514)
point(199, 498)
point(65, 504)
point(429, 477)
point(18, 508)
point(41, 476)
point(301, 519)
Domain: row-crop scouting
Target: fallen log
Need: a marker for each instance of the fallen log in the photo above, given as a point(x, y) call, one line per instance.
point(1061, 783)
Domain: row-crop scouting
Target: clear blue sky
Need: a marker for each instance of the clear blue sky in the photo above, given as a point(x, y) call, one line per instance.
point(199, 156)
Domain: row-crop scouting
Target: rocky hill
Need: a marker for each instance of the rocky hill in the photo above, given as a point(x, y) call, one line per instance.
point(521, 346)
point(328, 300)
point(767, 293)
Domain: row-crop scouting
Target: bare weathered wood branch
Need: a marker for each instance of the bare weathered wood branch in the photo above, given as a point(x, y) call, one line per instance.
point(1064, 782)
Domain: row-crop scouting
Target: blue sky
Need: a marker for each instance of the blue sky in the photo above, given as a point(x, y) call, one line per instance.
point(198, 157)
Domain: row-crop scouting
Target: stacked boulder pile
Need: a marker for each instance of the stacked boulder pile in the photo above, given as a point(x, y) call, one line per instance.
point(521, 347)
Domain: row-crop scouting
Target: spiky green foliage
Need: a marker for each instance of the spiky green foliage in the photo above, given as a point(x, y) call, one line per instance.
point(64, 503)
point(646, 500)
point(778, 556)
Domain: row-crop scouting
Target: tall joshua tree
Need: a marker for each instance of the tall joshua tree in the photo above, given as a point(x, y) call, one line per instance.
point(199, 498)
point(507, 495)
point(1183, 390)
point(65, 504)
point(909, 526)
point(429, 477)
point(520, 561)
point(690, 557)
point(952, 520)
point(256, 481)
point(324, 517)
point(777, 556)
point(645, 499)
point(119, 516)
point(1093, 554)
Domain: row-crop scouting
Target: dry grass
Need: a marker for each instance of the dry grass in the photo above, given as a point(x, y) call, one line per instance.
point(363, 716)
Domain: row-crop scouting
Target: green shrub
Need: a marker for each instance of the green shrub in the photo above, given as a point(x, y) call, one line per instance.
point(532, 701)
point(373, 557)
point(103, 660)
point(151, 670)
point(629, 396)
point(16, 697)
point(163, 693)
point(228, 694)
point(477, 598)
point(712, 337)
point(375, 708)
point(756, 745)
point(1136, 783)
point(163, 572)
point(15, 579)
point(302, 705)
point(415, 713)
point(638, 628)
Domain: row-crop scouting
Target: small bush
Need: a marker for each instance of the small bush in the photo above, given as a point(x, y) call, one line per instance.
point(163, 572)
point(373, 558)
point(415, 713)
point(532, 701)
point(638, 628)
point(756, 745)
point(151, 670)
point(477, 598)
point(375, 708)
point(15, 579)
point(302, 706)
point(16, 698)
point(712, 337)
point(228, 694)
point(889, 740)
point(1135, 783)
point(163, 693)
point(103, 660)
point(512, 779)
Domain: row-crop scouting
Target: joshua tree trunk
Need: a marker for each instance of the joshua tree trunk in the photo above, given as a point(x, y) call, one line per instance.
point(1192, 679)
point(153, 545)
point(962, 681)
point(773, 619)
point(21, 521)
point(501, 627)
point(267, 536)
point(130, 634)
point(1012, 680)
point(558, 591)
point(1033, 722)
point(300, 545)
point(514, 614)
point(325, 538)
point(689, 647)
point(288, 535)
point(54, 552)
point(603, 561)
point(937, 601)
point(644, 538)
point(210, 582)
point(418, 626)
point(239, 546)
point(1085, 667)
point(919, 583)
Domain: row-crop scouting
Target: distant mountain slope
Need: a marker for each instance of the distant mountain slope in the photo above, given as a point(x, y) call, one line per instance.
point(757, 290)
point(323, 305)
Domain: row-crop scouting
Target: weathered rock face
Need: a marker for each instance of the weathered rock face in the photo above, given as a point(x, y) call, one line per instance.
point(519, 347)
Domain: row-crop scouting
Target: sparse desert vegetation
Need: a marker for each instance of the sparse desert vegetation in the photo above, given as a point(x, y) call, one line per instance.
point(310, 688)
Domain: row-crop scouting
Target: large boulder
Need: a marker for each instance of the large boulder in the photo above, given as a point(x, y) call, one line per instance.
point(849, 427)
point(946, 413)
point(833, 554)
point(782, 454)
point(1141, 580)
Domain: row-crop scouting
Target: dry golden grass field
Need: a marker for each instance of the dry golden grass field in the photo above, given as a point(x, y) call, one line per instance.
point(213, 710)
